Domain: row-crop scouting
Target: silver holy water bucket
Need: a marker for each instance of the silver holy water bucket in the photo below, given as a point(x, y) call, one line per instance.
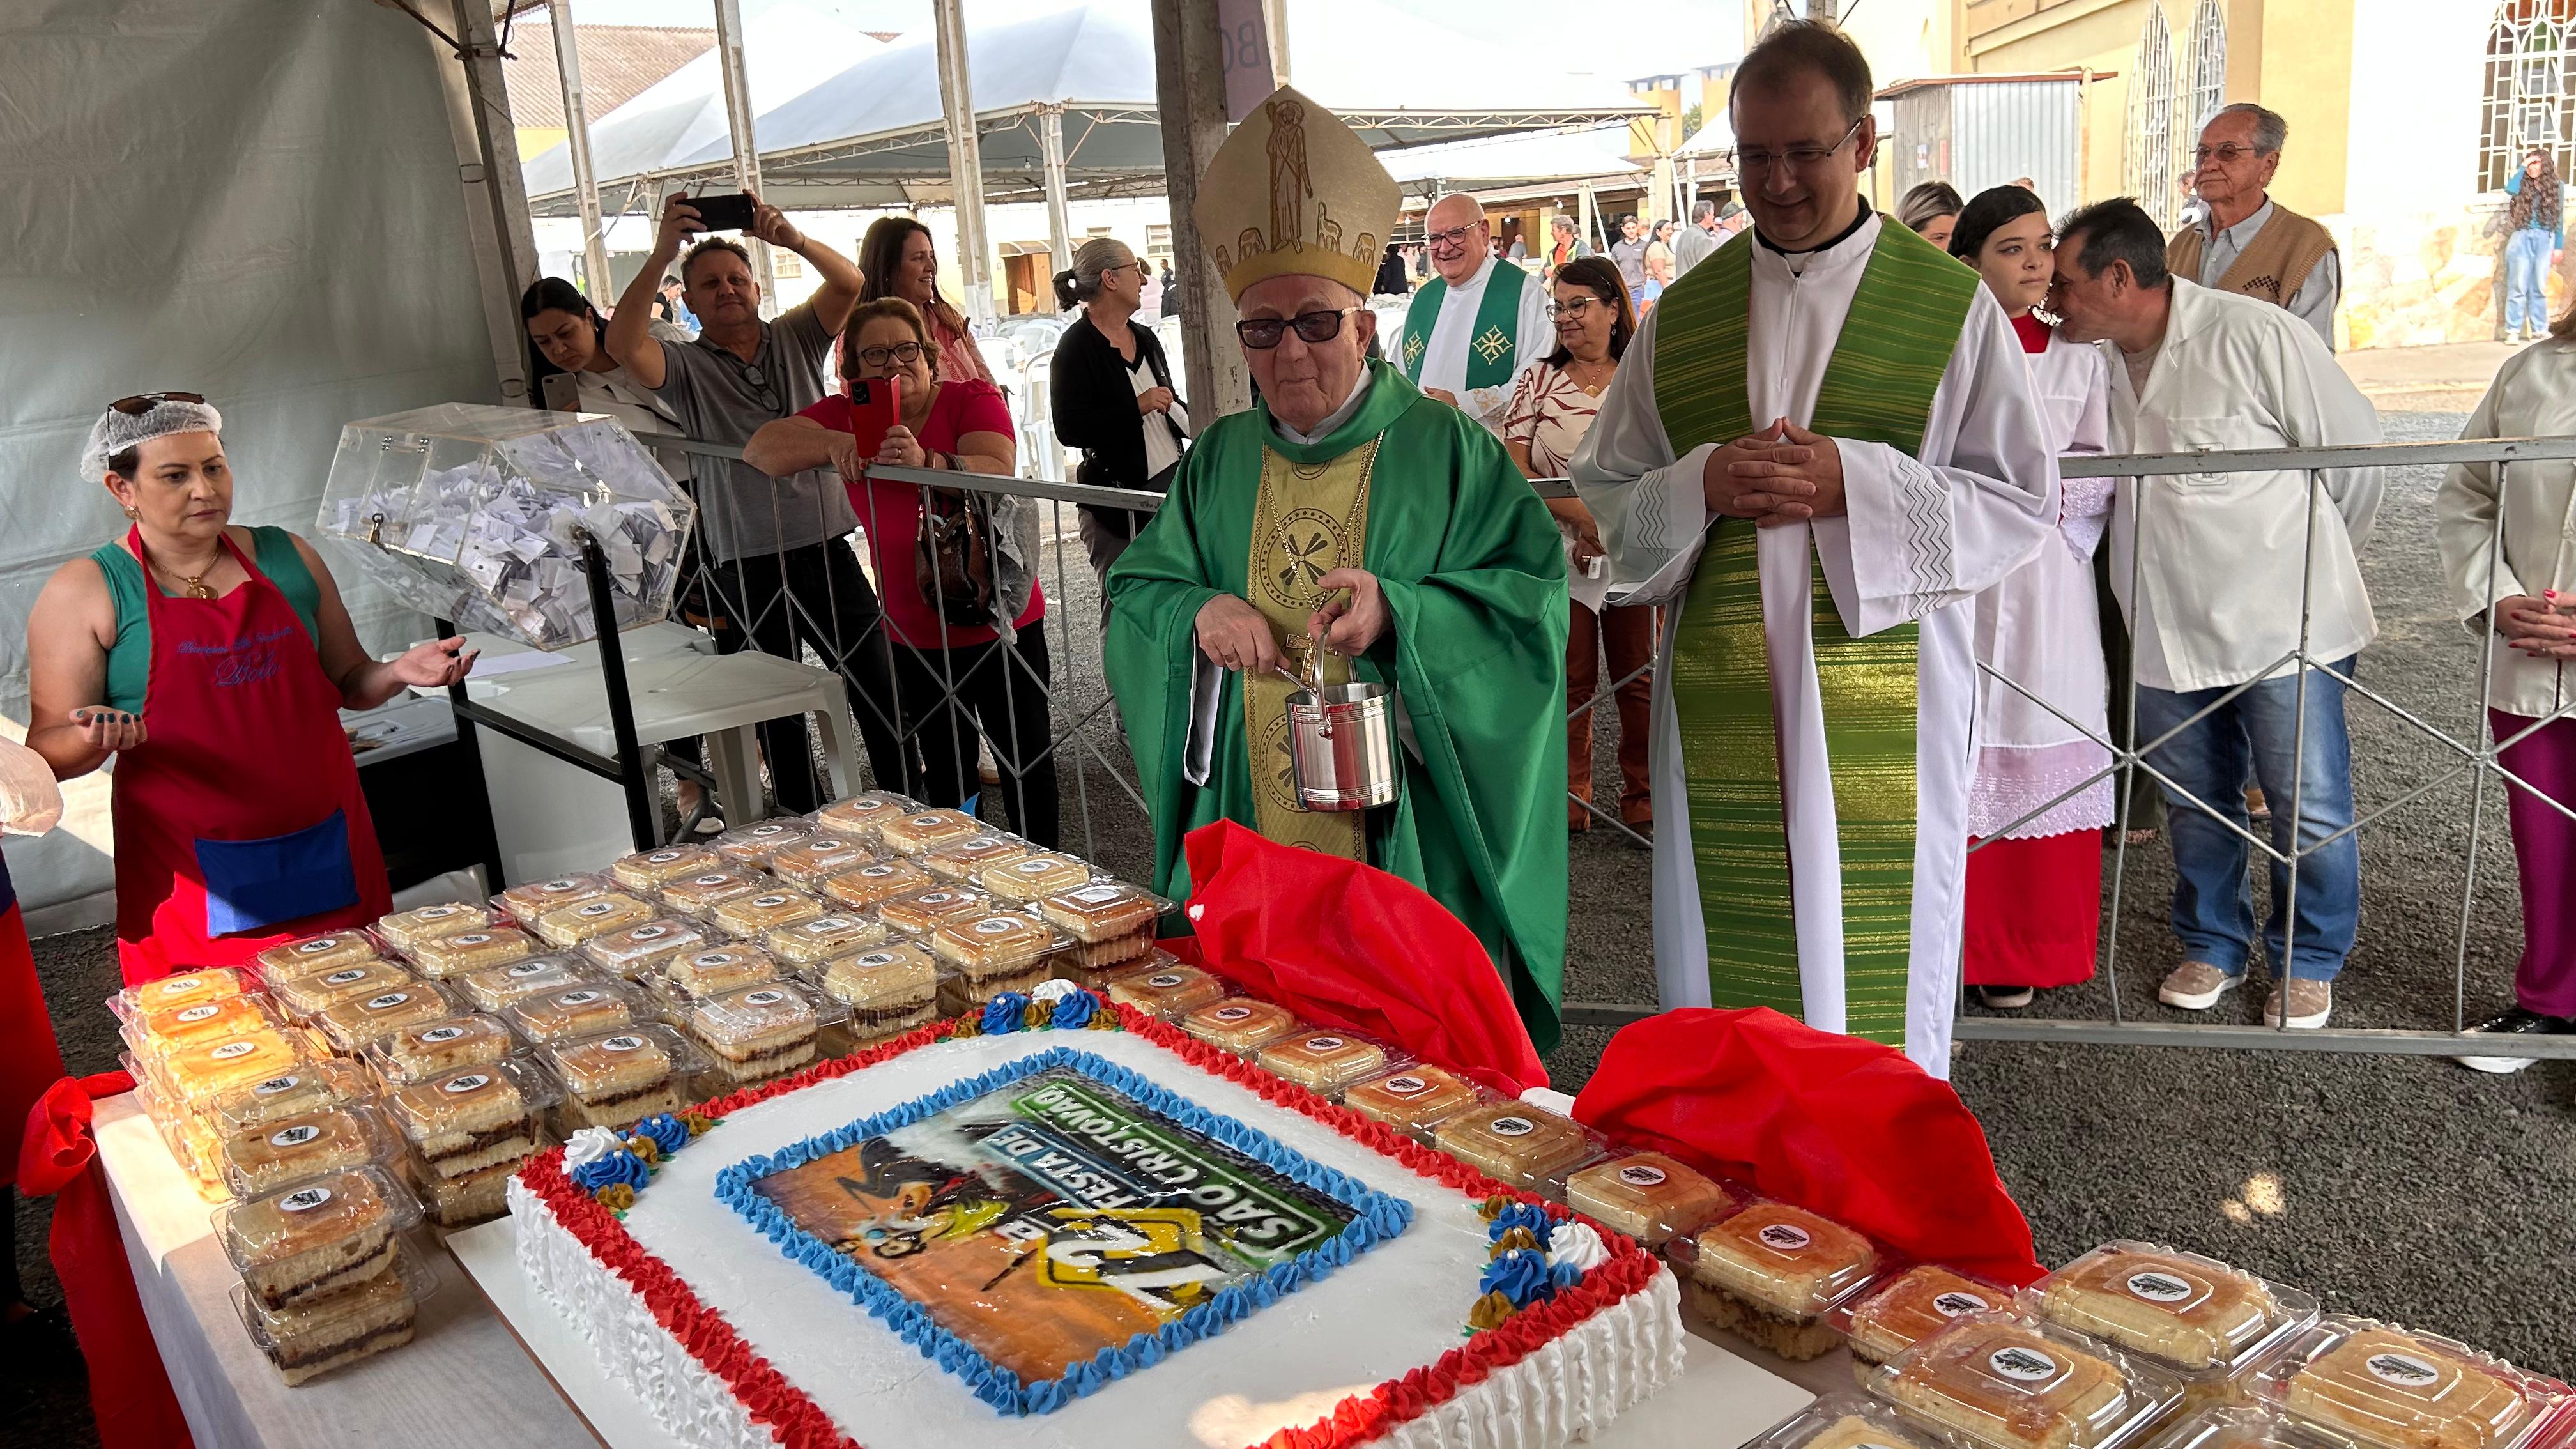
point(1341, 742)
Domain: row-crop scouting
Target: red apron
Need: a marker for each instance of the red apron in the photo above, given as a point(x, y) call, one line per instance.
point(239, 821)
point(29, 1060)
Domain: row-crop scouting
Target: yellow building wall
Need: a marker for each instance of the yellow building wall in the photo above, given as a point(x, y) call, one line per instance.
point(2096, 35)
point(2306, 46)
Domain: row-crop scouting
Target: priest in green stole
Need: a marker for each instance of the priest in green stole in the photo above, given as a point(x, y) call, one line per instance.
point(1348, 507)
point(1821, 445)
point(1477, 326)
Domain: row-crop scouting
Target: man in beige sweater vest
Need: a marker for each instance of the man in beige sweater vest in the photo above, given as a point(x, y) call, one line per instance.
point(2248, 243)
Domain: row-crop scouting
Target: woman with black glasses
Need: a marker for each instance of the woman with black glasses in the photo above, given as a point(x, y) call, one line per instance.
point(1111, 393)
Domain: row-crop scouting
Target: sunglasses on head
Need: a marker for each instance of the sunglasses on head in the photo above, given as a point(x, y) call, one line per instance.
point(1263, 333)
point(144, 402)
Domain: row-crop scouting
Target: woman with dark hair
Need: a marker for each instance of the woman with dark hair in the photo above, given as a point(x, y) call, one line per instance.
point(1111, 394)
point(1659, 263)
point(1931, 209)
point(1553, 404)
point(2042, 791)
point(897, 258)
point(573, 372)
point(2536, 233)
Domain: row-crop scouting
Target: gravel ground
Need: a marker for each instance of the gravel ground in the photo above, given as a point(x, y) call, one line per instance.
point(2402, 1187)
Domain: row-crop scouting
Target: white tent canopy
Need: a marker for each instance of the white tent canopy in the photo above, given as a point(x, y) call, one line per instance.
point(1512, 160)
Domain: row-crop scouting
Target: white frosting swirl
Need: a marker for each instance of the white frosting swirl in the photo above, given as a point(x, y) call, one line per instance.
point(1578, 1244)
point(589, 1145)
point(1054, 990)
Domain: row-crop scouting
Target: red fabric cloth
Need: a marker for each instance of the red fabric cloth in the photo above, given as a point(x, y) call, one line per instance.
point(129, 1391)
point(891, 512)
point(2034, 910)
point(29, 1060)
point(1347, 945)
point(1835, 1124)
point(2034, 334)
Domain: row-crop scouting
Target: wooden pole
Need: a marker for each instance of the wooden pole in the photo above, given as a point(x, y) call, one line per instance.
point(1187, 61)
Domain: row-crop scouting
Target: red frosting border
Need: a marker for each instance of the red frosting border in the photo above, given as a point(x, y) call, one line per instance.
point(796, 1421)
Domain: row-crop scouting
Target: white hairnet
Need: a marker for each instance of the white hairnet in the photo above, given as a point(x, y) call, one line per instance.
point(117, 431)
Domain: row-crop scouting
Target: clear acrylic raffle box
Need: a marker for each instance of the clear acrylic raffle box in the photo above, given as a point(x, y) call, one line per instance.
point(477, 514)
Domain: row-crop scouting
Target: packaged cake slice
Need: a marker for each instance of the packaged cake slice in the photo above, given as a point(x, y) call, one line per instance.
point(443, 957)
point(1103, 911)
point(928, 830)
point(887, 991)
point(716, 969)
point(404, 931)
point(819, 857)
point(314, 955)
point(495, 987)
point(2012, 1381)
point(697, 896)
point(470, 1120)
point(317, 1237)
point(172, 993)
point(1032, 877)
point(1171, 993)
point(1324, 1060)
point(311, 1338)
point(2378, 1386)
point(991, 953)
point(323, 1084)
point(870, 886)
point(1413, 1099)
point(527, 903)
point(753, 845)
point(617, 1078)
point(171, 1027)
point(648, 870)
point(271, 1155)
point(921, 912)
point(585, 1010)
point(308, 996)
point(1647, 1195)
point(748, 918)
point(811, 943)
point(2210, 1324)
point(1846, 1421)
point(417, 1053)
point(1517, 1144)
point(351, 1025)
point(1771, 1272)
point(600, 915)
point(1240, 1024)
point(960, 862)
point(640, 951)
point(1900, 1309)
point(762, 1033)
point(861, 816)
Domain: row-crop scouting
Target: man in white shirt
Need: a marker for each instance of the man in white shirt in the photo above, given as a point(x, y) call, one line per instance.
point(1475, 326)
point(2242, 240)
point(1819, 448)
point(2211, 569)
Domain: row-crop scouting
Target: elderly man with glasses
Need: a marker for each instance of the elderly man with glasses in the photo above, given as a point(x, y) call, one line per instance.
point(2245, 242)
point(1349, 514)
point(1820, 447)
point(1474, 328)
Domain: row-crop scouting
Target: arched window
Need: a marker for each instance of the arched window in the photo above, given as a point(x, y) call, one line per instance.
point(2154, 169)
point(2528, 101)
point(2208, 69)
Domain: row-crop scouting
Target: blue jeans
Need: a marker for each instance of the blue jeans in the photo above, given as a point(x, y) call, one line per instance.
point(2213, 906)
point(2526, 281)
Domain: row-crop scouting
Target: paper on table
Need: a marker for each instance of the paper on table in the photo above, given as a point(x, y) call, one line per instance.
point(492, 664)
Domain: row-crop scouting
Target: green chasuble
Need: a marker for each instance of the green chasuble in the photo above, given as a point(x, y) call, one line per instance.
point(1492, 355)
point(1474, 575)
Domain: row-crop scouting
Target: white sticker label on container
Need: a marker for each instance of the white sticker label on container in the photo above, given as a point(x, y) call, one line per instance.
point(877, 872)
point(388, 1001)
point(232, 1049)
point(1955, 1302)
point(173, 988)
point(768, 902)
point(199, 1013)
point(558, 886)
point(1641, 1176)
point(1099, 895)
point(663, 857)
point(527, 968)
point(705, 959)
point(304, 1199)
point(438, 913)
point(472, 938)
point(295, 1136)
point(817, 847)
point(651, 933)
point(275, 1085)
point(1508, 1126)
point(1405, 1086)
point(577, 998)
point(1324, 1043)
point(924, 822)
point(1787, 1237)
point(2403, 1369)
point(763, 832)
point(343, 978)
point(470, 1082)
point(2022, 1364)
point(994, 925)
point(877, 958)
point(937, 898)
point(711, 880)
point(318, 945)
point(1232, 1014)
point(1037, 866)
point(980, 842)
point(621, 1043)
point(597, 909)
point(439, 1035)
point(1167, 978)
point(764, 998)
point(867, 802)
point(2159, 1287)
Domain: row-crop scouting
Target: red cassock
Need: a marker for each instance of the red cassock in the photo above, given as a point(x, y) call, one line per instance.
point(239, 822)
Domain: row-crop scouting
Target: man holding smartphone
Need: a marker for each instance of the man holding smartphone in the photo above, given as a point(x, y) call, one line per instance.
point(778, 549)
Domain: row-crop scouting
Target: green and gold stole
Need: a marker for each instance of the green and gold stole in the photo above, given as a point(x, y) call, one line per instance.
point(1878, 387)
point(1310, 520)
point(1492, 349)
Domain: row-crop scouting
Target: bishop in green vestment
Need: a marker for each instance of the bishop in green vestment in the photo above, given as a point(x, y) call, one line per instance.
point(1348, 509)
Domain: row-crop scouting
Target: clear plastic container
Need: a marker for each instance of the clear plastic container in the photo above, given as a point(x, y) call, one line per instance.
point(1324, 1060)
point(649, 870)
point(172, 993)
point(1103, 911)
point(472, 1120)
point(2011, 1381)
point(190, 1136)
point(2242, 1426)
point(1412, 1100)
point(748, 918)
point(927, 831)
point(871, 886)
point(194, 1072)
point(1515, 1143)
point(996, 944)
point(1109, 955)
point(1772, 1273)
point(434, 1049)
point(446, 957)
point(1648, 1196)
point(2208, 1323)
point(585, 1010)
point(1171, 993)
point(922, 912)
point(959, 862)
point(888, 991)
point(598, 916)
point(763, 1033)
point(314, 1337)
point(2373, 1385)
point(317, 1237)
point(618, 1078)
point(1845, 1421)
point(697, 896)
point(495, 988)
point(173, 1026)
point(1240, 1024)
point(351, 1025)
point(406, 930)
point(641, 951)
point(322, 1085)
point(527, 903)
point(1154, 961)
point(861, 816)
point(719, 968)
point(751, 846)
point(1901, 1309)
point(809, 862)
point(265, 1158)
point(811, 943)
point(313, 956)
point(1032, 877)
point(309, 996)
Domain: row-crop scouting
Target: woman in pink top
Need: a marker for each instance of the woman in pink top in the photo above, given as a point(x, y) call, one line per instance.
point(898, 259)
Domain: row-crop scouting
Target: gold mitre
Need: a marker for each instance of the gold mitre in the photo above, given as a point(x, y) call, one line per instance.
point(1294, 192)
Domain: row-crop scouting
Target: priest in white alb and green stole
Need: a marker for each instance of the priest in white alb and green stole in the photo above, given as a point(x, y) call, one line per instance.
point(1348, 510)
point(1478, 323)
point(1821, 445)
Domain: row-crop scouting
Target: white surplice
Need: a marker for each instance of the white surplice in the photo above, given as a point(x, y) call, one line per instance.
point(1444, 357)
point(2041, 628)
point(1921, 538)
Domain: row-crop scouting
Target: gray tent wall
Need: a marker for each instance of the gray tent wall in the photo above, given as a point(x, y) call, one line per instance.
point(254, 201)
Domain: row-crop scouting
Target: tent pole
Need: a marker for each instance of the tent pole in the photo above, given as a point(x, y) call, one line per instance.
point(1188, 48)
point(965, 159)
point(496, 199)
point(746, 149)
point(1591, 214)
point(1059, 206)
point(585, 181)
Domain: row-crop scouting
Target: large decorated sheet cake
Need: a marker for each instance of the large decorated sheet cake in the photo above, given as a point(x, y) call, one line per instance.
point(1078, 1239)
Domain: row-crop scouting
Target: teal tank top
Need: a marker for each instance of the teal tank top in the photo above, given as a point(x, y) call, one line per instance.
point(129, 663)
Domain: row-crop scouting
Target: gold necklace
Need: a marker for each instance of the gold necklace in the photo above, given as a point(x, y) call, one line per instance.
point(194, 586)
point(1590, 389)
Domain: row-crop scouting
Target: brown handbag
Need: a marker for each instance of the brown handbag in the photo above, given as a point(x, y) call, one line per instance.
point(953, 555)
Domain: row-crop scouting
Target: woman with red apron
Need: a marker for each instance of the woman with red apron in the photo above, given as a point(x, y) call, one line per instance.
point(30, 1061)
point(224, 656)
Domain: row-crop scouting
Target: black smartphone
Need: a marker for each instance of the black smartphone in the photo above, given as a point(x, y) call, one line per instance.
point(725, 213)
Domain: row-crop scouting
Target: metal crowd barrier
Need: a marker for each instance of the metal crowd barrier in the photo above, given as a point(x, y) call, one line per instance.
point(1084, 728)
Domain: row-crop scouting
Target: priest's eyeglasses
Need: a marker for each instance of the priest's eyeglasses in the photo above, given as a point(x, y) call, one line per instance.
point(1263, 333)
point(1800, 157)
point(1455, 236)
